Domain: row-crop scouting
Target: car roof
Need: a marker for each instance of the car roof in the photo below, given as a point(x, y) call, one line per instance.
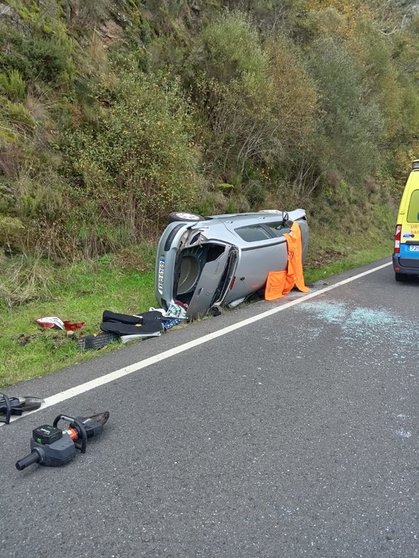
point(241, 217)
point(247, 214)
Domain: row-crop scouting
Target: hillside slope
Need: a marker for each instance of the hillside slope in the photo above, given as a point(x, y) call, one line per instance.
point(113, 114)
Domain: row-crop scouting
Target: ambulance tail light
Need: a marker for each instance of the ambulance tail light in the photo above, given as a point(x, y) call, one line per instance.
point(397, 237)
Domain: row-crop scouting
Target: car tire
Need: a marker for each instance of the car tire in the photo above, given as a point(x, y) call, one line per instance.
point(401, 276)
point(180, 216)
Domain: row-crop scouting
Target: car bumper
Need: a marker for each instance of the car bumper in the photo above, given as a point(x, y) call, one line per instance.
point(406, 266)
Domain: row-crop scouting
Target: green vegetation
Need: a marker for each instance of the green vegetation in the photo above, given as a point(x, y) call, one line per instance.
point(80, 292)
point(113, 114)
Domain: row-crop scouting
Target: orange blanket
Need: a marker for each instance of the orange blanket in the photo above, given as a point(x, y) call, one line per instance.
point(280, 283)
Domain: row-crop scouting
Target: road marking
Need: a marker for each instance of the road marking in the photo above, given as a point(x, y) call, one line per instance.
point(117, 374)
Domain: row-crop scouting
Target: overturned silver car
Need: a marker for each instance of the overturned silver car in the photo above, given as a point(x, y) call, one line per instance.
point(205, 263)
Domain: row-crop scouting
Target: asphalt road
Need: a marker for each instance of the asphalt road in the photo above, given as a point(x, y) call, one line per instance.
point(294, 435)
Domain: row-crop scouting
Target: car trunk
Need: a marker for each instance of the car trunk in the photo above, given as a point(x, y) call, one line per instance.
point(202, 276)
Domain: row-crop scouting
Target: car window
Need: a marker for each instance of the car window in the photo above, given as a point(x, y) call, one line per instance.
point(253, 233)
point(276, 225)
point(278, 228)
point(413, 211)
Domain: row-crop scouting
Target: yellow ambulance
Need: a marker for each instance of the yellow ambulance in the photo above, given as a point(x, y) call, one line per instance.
point(406, 235)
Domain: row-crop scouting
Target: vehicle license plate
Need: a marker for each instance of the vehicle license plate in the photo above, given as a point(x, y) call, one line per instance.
point(413, 248)
point(161, 274)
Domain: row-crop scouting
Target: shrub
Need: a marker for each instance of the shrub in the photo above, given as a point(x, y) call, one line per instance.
point(294, 97)
point(229, 48)
point(12, 85)
point(231, 86)
point(140, 162)
point(37, 55)
point(10, 229)
point(374, 54)
point(40, 197)
point(18, 117)
point(351, 126)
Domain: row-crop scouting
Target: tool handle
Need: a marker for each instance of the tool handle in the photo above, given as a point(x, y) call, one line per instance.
point(33, 457)
point(7, 408)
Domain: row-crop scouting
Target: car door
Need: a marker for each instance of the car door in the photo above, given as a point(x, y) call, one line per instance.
point(409, 242)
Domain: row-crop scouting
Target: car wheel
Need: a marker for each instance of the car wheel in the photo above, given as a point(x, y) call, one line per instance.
point(401, 276)
point(175, 216)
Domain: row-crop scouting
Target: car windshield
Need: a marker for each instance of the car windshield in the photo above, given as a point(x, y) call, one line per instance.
point(413, 212)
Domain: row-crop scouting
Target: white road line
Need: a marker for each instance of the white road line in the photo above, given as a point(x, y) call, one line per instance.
point(112, 376)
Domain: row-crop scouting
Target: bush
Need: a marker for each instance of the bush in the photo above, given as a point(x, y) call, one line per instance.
point(374, 53)
point(37, 55)
point(12, 85)
point(350, 129)
point(18, 116)
point(229, 48)
point(41, 197)
point(10, 229)
point(139, 162)
point(294, 98)
point(231, 85)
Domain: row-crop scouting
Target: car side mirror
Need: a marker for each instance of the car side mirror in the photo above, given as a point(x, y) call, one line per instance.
point(286, 221)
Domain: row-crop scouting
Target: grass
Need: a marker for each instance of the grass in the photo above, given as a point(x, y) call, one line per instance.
point(329, 255)
point(82, 292)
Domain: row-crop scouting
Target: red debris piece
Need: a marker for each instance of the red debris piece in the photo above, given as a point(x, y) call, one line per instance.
point(50, 321)
point(72, 326)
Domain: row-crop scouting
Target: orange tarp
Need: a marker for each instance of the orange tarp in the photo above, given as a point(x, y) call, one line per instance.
point(280, 283)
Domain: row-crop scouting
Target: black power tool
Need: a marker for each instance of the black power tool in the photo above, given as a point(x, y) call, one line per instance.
point(17, 405)
point(52, 446)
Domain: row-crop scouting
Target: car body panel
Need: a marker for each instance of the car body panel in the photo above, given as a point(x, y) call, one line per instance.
point(406, 259)
point(207, 284)
point(222, 259)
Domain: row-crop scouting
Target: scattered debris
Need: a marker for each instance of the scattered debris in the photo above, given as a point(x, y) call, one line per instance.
point(54, 322)
point(17, 405)
point(131, 327)
point(215, 311)
point(72, 326)
point(96, 341)
point(176, 310)
point(51, 321)
point(148, 324)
